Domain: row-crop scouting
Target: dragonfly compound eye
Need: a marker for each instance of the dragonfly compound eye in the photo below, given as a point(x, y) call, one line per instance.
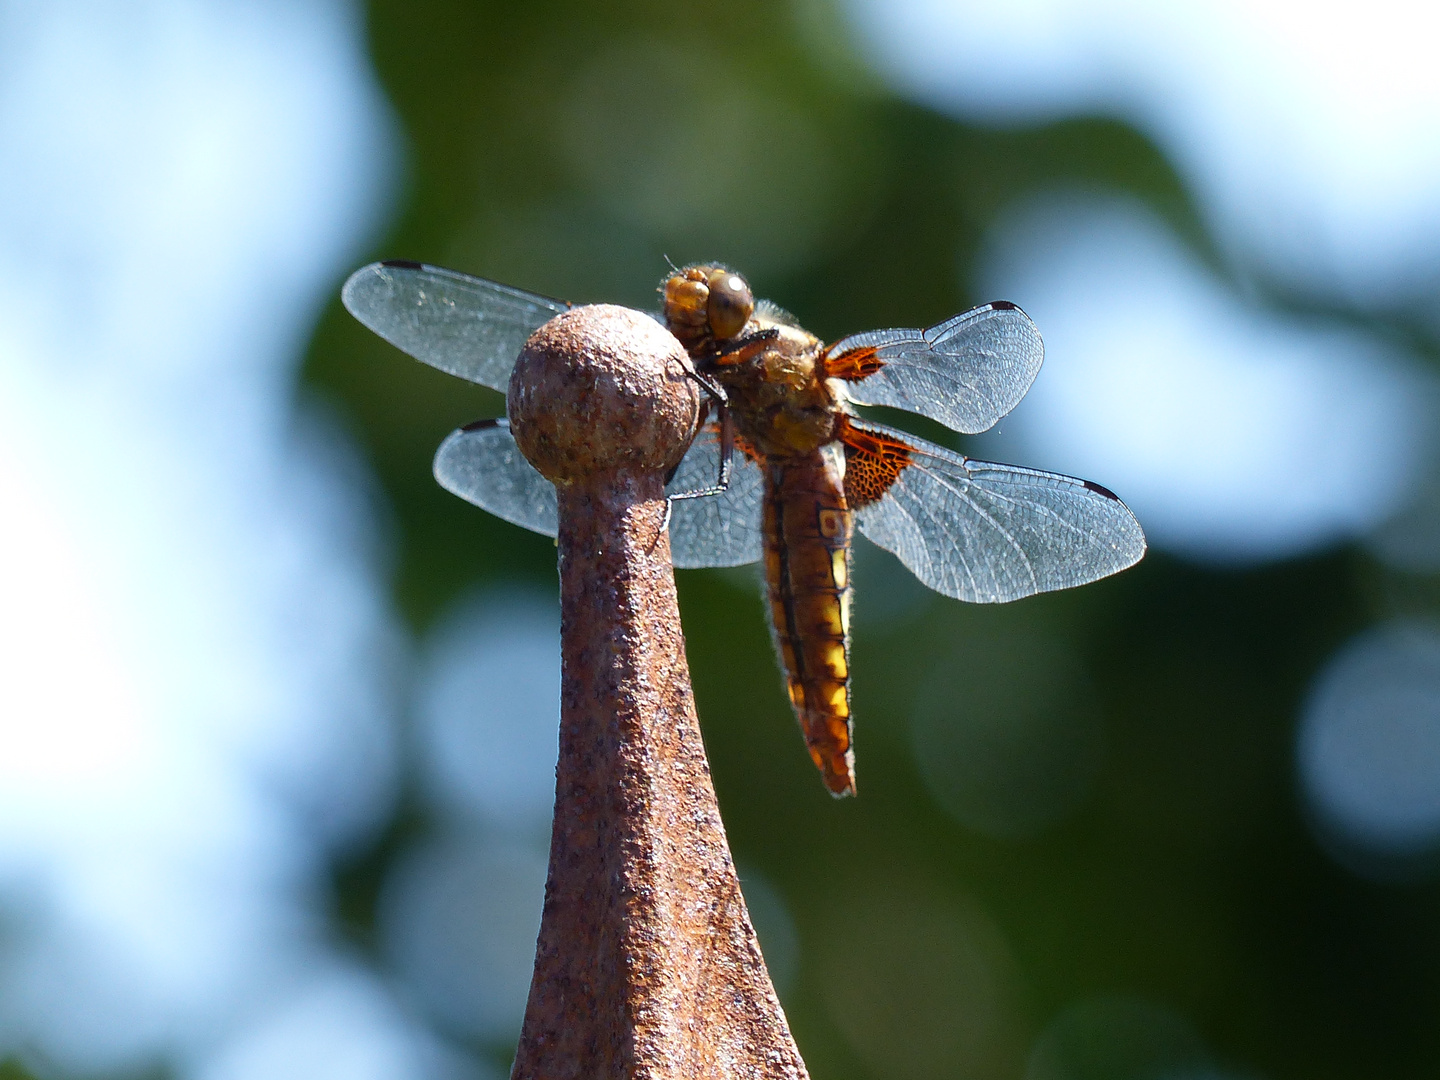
point(729, 305)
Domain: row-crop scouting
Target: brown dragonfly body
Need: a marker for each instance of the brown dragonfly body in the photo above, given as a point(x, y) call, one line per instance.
point(789, 469)
point(808, 529)
point(791, 414)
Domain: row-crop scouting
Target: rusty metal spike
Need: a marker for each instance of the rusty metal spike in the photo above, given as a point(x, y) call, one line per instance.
point(647, 967)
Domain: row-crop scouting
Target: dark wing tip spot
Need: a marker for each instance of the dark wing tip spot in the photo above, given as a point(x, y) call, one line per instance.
point(1099, 490)
point(1003, 305)
point(482, 425)
point(403, 264)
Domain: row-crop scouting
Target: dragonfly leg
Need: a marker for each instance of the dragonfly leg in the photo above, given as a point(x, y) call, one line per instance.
point(664, 524)
point(727, 450)
point(745, 348)
point(709, 385)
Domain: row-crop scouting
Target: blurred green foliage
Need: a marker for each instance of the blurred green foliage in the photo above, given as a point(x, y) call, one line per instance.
point(1172, 907)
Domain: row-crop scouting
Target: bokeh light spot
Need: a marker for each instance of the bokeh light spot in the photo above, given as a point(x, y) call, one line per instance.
point(922, 986)
point(1006, 731)
point(681, 142)
point(459, 918)
point(770, 916)
point(1309, 138)
point(1118, 1038)
point(1235, 435)
point(489, 708)
point(1368, 749)
point(341, 1024)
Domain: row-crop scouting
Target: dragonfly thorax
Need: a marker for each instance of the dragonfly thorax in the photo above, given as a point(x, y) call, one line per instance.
point(782, 403)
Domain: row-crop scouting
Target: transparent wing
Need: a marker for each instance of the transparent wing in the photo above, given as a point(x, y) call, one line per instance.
point(717, 530)
point(482, 464)
point(463, 325)
point(989, 533)
point(965, 373)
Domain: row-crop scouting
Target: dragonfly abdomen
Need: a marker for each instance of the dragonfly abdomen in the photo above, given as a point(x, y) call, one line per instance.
point(808, 530)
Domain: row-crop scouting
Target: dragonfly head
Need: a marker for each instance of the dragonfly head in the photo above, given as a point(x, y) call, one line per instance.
point(707, 304)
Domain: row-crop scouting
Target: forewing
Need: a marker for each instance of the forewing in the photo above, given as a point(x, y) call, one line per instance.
point(965, 373)
point(482, 464)
point(988, 533)
point(463, 325)
point(715, 530)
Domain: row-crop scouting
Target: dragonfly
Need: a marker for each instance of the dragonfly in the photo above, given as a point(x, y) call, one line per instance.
point(799, 469)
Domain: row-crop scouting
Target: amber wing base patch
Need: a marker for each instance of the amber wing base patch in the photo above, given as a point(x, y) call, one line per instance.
point(853, 364)
point(873, 462)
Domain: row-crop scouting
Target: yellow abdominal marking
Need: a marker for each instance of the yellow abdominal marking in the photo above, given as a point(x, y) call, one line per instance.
point(835, 660)
point(839, 571)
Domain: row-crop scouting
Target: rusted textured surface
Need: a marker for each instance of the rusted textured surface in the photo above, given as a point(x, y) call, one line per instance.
point(647, 966)
point(601, 389)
